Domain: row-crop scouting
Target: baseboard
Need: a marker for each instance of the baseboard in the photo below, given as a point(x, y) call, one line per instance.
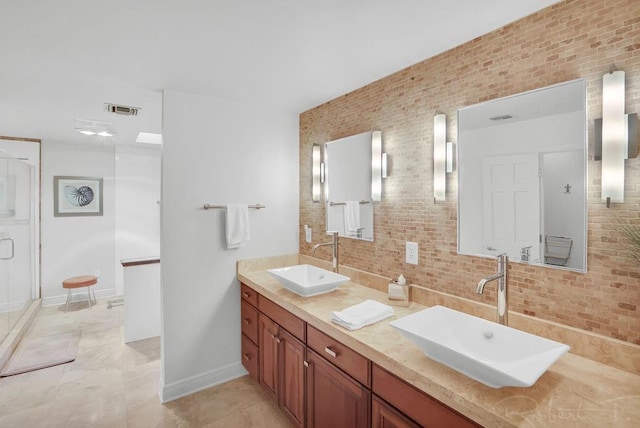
point(79, 295)
point(12, 306)
point(197, 383)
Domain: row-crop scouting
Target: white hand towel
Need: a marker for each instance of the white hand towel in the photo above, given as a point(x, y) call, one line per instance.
point(352, 217)
point(237, 225)
point(362, 314)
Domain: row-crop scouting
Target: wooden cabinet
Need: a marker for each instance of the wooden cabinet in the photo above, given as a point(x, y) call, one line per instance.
point(333, 398)
point(291, 353)
point(250, 357)
point(282, 368)
point(352, 363)
point(385, 416)
point(425, 410)
point(319, 382)
point(249, 316)
point(249, 327)
point(268, 349)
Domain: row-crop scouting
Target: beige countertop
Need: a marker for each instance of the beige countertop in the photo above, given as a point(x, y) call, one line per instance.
point(575, 391)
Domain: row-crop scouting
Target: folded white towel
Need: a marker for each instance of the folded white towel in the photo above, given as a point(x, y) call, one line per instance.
point(362, 314)
point(237, 225)
point(351, 217)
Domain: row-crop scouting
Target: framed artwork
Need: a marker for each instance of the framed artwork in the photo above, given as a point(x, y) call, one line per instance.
point(77, 196)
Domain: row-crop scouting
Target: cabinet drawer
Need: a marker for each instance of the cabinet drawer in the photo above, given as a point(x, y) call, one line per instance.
point(420, 407)
point(385, 416)
point(342, 356)
point(249, 294)
point(282, 317)
point(249, 316)
point(250, 357)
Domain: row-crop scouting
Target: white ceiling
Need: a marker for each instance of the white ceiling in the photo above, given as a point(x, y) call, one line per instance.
point(553, 100)
point(63, 60)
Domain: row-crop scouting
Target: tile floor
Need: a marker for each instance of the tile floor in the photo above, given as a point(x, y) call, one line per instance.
point(111, 384)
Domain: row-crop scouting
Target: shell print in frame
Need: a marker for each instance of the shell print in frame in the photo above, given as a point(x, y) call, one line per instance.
point(78, 196)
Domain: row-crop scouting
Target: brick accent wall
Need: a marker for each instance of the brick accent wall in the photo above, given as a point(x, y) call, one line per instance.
point(573, 39)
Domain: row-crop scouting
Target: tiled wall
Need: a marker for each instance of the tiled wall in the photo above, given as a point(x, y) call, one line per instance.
point(570, 40)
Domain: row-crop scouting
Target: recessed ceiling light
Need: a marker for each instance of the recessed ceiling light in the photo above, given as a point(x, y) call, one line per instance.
point(94, 127)
point(149, 138)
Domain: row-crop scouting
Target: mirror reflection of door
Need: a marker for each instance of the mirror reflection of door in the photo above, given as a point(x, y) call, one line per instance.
point(511, 192)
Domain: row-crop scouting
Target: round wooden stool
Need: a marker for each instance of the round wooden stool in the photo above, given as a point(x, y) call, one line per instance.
point(78, 282)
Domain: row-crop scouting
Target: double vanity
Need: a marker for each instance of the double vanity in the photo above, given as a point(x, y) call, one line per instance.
point(324, 375)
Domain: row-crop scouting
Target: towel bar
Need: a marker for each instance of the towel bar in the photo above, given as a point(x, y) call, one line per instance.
point(209, 206)
point(344, 203)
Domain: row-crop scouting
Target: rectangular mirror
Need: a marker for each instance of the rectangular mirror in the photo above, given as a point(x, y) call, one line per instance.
point(522, 177)
point(349, 181)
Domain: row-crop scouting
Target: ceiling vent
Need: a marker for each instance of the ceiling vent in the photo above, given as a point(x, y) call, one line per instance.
point(123, 110)
point(503, 117)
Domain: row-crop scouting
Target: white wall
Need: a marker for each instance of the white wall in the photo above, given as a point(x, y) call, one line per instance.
point(220, 152)
point(77, 245)
point(137, 205)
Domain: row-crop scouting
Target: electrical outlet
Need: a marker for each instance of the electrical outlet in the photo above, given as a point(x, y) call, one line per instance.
point(97, 273)
point(412, 253)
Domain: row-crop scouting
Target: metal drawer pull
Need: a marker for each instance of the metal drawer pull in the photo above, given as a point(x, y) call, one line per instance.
point(276, 338)
point(330, 352)
point(247, 321)
point(305, 363)
point(246, 357)
point(245, 294)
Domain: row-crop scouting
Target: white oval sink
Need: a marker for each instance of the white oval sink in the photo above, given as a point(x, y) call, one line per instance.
point(308, 280)
point(490, 353)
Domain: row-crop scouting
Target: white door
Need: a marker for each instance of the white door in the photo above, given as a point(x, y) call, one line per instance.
point(511, 213)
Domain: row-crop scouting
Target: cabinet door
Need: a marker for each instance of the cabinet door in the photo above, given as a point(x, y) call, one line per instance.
point(385, 416)
point(268, 349)
point(333, 398)
point(291, 365)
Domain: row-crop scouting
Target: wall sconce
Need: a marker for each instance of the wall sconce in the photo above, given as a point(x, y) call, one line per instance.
point(317, 173)
point(376, 165)
point(439, 157)
point(616, 137)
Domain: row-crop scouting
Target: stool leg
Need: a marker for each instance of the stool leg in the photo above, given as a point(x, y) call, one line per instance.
point(89, 296)
point(68, 299)
point(95, 301)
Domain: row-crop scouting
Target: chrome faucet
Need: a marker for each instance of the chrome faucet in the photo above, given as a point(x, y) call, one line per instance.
point(335, 254)
point(503, 280)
